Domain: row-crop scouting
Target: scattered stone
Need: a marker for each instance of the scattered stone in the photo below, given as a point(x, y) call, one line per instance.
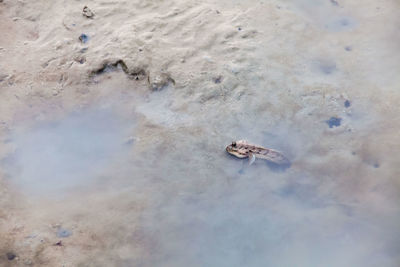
point(334, 122)
point(63, 233)
point(347, 104)
point(160, 82)
point(83, 38)
point(86, 12)
point(10, 256)
point(59, 243)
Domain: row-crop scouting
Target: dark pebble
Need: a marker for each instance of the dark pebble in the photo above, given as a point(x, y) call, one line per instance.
point(348, 48)
point(10, 256)
point(347, 103)
point(239, 29)
point(376, 165)
point(334, 122)
point(63, 233)
point(83, 38)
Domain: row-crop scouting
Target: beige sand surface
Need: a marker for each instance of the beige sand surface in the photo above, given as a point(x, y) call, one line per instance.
point(185, 78)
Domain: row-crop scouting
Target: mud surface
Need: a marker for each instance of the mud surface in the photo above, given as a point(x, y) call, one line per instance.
point(112, 150)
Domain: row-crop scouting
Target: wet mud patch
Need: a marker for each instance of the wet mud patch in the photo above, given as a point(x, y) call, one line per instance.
point(110, 66)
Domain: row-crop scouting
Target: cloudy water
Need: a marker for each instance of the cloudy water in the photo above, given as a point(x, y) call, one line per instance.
point(126, 165)
point(53, 157)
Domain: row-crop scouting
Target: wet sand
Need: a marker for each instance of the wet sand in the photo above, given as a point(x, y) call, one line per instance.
point(112, 145)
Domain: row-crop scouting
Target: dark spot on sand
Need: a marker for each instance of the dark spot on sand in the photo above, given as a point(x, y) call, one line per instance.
point(80, 59)
point(59, 244)
point(334, 2)
point(217, 79)
point(83, 38)
point(10, 256)
point(63, 233)
point(239, 29)
point(348, 48)
point(376, 165)
point(327, 68)
point(334, 122)
point(344, 22)
point(347, 103)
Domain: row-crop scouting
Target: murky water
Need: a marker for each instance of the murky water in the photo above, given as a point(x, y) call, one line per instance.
point(202, 207)
point(153, 186)
point(55, 156)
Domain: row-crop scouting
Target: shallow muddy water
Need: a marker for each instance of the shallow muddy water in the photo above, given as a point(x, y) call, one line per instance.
point(105, 171)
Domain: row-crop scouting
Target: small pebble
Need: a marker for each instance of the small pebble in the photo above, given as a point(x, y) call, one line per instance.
point(10, 256)
point(347, 103)
point(376, 165)
point(334, 122)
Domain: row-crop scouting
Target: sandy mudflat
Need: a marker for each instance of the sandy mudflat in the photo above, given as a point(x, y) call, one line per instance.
point(113, 132)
